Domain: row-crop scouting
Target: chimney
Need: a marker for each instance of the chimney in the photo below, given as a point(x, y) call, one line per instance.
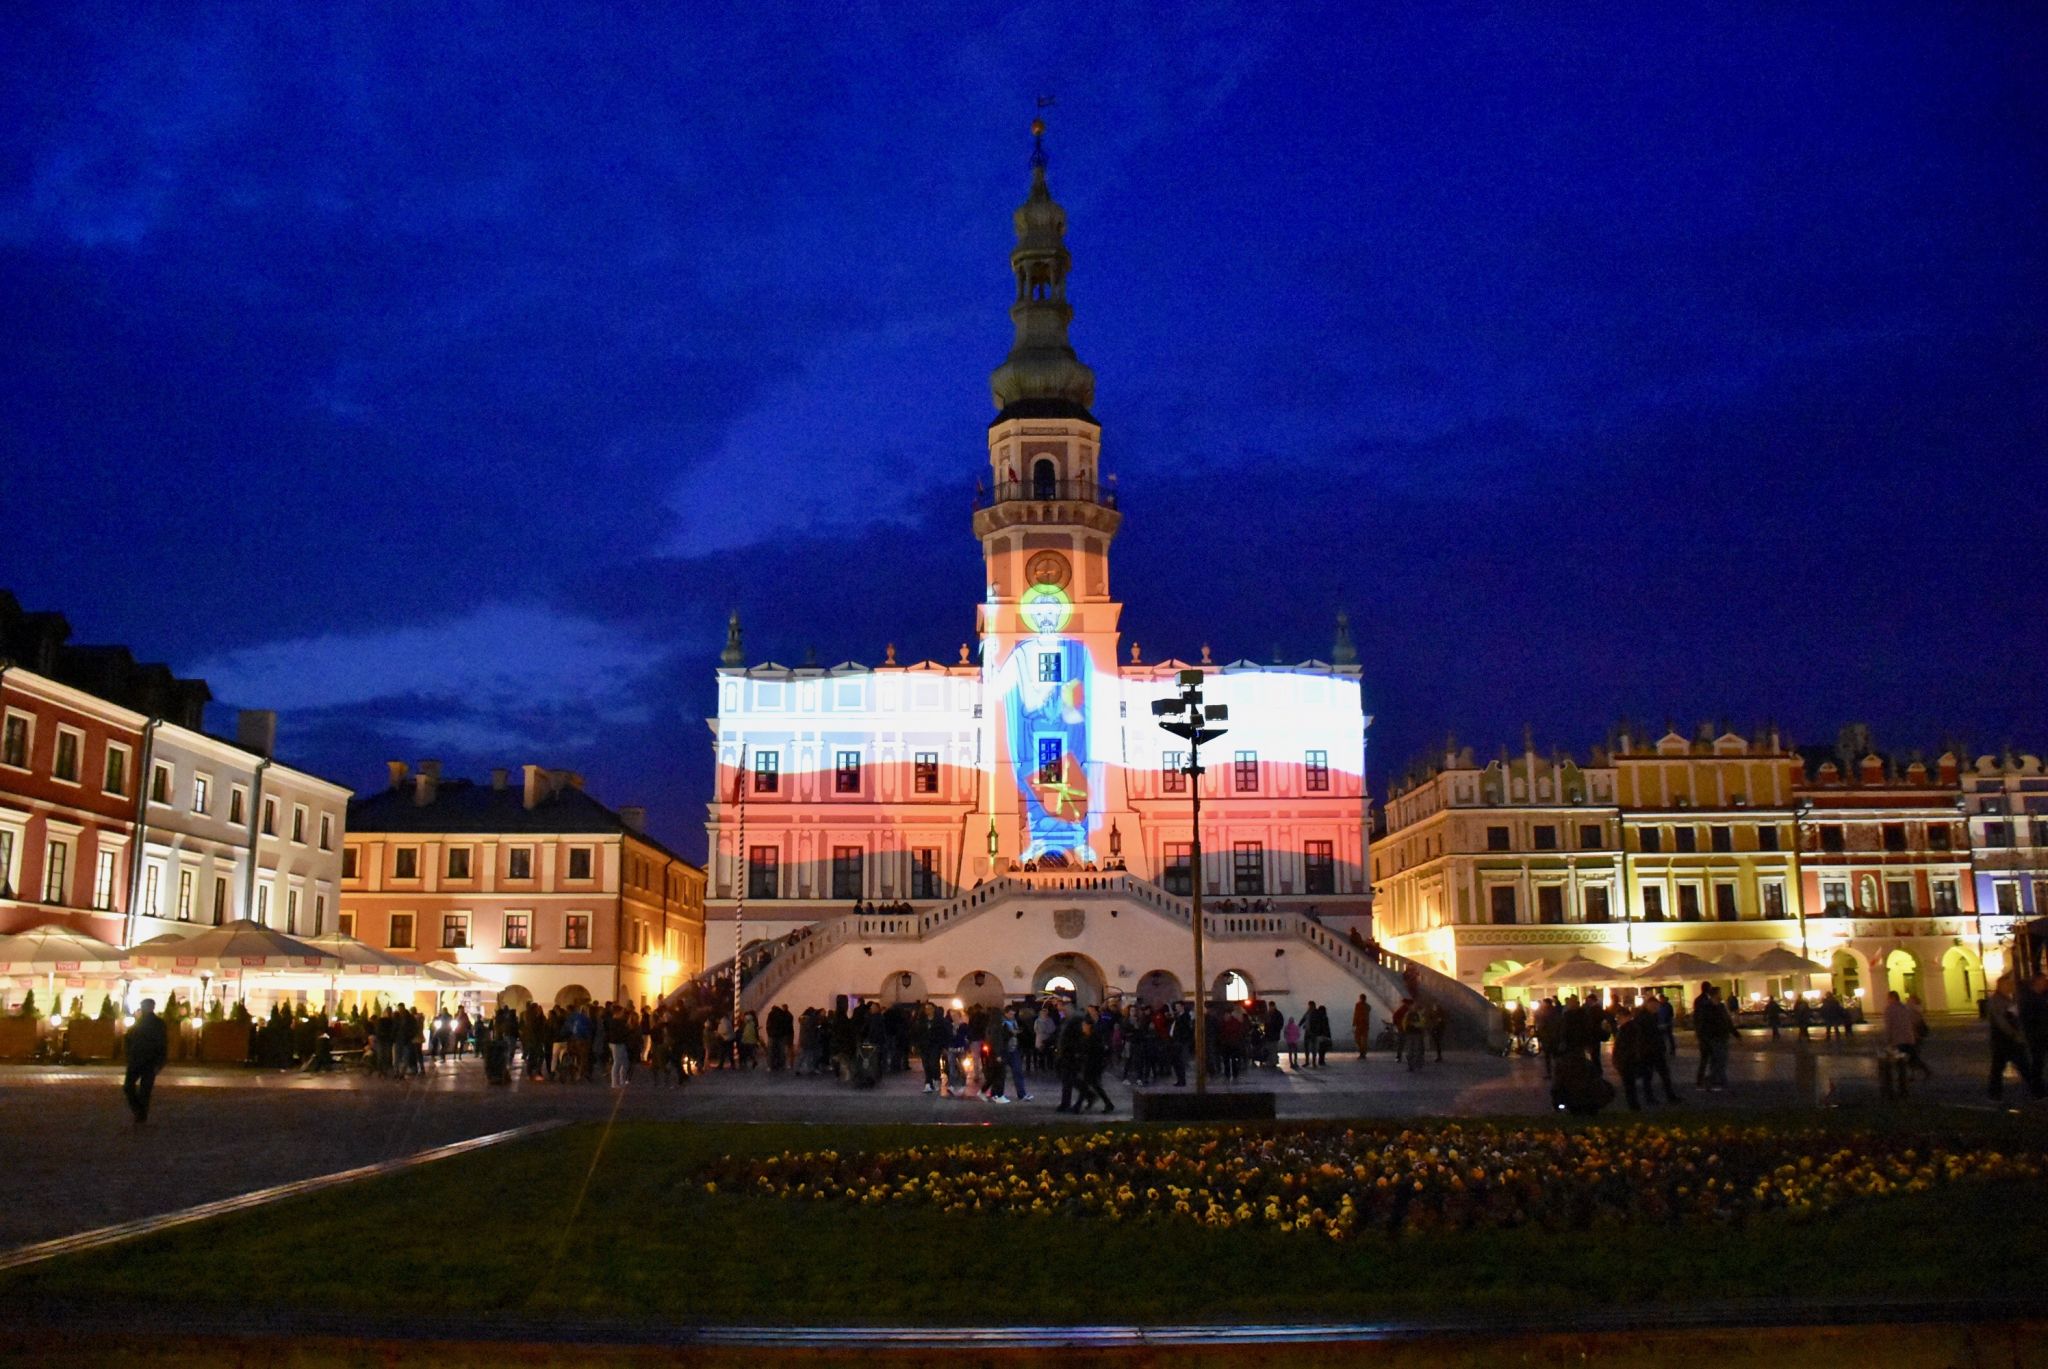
point(635, 819)
point(423, 786)
point(399, 770)
point(431, 769)
point(536, 783)
point(1873, 769)
point(256, 730)
point(1948, 767)
point(498, 777)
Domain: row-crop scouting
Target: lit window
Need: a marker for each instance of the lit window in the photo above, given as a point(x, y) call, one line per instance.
point(454, 931)
point(1173, 772)
point(518, 931)
point(1245, 772)
point(767, 772)
point(846, 774)
point(925, 776)
point(69, 744)
point(57, 860)
point(102, 881)
point(201, 793)
point(576, 932)
point(401, 932)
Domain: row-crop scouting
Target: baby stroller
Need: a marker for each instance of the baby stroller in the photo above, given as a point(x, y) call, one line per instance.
point(867, 1066)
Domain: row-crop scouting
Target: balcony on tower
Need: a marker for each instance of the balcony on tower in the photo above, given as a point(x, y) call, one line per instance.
point(1043, 498)
point(1046, 489)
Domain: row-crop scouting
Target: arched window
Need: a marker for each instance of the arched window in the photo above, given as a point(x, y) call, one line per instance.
point(1045, 480)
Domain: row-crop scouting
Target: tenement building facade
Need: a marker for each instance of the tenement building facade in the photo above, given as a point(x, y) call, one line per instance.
point(1872, 869)
point(528, 882)
point(1013, 820)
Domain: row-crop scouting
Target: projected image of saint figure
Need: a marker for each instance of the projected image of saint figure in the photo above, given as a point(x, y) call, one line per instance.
point(1044, 688)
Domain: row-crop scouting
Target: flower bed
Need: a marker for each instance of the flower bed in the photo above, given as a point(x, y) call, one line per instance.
point(1337, 1181)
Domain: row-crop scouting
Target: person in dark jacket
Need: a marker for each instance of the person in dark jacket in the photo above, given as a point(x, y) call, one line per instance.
point(1095, 1060)
point(148, 1046)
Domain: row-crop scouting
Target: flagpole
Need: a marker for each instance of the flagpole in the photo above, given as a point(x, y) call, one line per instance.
point(739, 907)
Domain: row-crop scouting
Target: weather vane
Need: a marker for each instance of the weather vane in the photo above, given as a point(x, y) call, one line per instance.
point(1038, 132)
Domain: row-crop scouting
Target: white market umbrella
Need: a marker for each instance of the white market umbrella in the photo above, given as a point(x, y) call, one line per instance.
point(1780, 961)
point(360, 957)
point(1677, 966)
point(1584, 970)
point(235, 948)
point(1528, 976)
point(54, 949)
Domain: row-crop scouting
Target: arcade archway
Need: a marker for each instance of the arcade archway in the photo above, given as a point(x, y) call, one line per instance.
point(979, 989)
point(1157, 988)
point(1962, 980)
point(1070, 972)
point(570, 995)
point(1232, 986)
point(904, 986)
point(1902, 974)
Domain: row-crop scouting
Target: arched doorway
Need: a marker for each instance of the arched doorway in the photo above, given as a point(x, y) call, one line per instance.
point(1157, 988)
point(904, 986)
point(1045, 480)
point(1846, 973)
point(1070, 972)
point(1962, 980)
point(515, 997)
point(570, 995)
point(979, 988)
point(1232, 986)
point(1902, 973)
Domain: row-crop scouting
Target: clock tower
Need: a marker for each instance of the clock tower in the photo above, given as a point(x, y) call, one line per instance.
point(1052, 726)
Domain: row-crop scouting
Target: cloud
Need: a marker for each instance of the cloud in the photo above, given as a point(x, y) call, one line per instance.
point(502, 674)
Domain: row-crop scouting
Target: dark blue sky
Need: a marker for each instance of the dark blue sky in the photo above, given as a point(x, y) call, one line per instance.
point(441, 379)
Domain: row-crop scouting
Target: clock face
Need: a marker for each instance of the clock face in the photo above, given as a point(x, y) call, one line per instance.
point(1047, 568)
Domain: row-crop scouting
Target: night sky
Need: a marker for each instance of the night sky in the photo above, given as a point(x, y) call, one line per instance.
point(442, 378)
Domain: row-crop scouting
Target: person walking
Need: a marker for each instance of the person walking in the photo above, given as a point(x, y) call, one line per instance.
point(147, 1047)
point(1361, 1025)
point(1903, 1028)
point(1323, 1035)
point(1414, 1033)
point(2009, 1041)
point(1095, 1045)
point(1291, 1034)
point(1437, 1020)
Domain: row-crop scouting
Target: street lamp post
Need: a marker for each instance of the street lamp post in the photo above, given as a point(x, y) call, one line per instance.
point(1184, 716)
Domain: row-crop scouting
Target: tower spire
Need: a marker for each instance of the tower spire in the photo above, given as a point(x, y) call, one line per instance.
point(1042, 378)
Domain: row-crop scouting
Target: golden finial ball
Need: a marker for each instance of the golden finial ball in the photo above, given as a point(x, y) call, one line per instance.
point(1038, 128)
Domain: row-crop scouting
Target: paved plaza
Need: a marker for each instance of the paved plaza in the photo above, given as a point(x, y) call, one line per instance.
point(70, 1160)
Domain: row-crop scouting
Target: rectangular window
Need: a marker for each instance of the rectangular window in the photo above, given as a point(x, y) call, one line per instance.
point(348, 862)
point(1316, 772)
point(924, 872)
point(1248, 867)
point(458, 862)
point(1318, 867)
point(327, 831)
point(1550, 903)
point(152, 890)
point(1898, 897)
point(69, 745)
point(1596, 903)
point(102, 881)
point(1499, 839)
point(1688, 903)
point(1831, 837)
point(1653, 904)
point(187, 880)
point(319, 914)
point(846, 871)
point(1895, 836)
point(1244, 771)
point(1173, 772)
point(202, 793)
point(345, 923)
point(1944, 896)
point(1545, 836)
point(14, 741)
point(1049, 749)
point(401, 932)
point(1048, 667)
point(1834, 898)
point(767, 772)
point(263, 904)
point(1938, 836)
point(117, 769)
point(925, 773)
point(1774, 901)
point(519, 863)
point(518, 931)
point(1590, 837)
point(1767, 838)
point(220, 899)
point(1180, 868)
point(846, 773)
point(1685, 840)
point(270, 817)
point(1501, 904)
point(764, 872)
point(298, 824)
point(576, 932)
point(454, 931)
point(1651, 840)
point(2008, 898)
point(58, 858)
point(579, 862)
point(238, 805)
point(291, 912)
point(1722, 838)
point(1725, 909)
point(406, 863)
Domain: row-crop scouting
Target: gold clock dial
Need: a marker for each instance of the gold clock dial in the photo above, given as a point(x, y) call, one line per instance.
point(1047, 568)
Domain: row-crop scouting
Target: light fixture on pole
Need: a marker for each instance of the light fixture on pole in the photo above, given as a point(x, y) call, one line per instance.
point(1185, 717)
